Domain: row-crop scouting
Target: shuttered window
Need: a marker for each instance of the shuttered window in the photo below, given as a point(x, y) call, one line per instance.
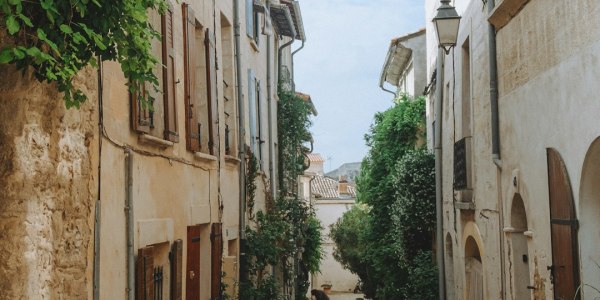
point(250, 18)
point(177, 270)
point(200, 84)
point(216, 260)
point(144, 279)
point(252, 111)
point(158, 115)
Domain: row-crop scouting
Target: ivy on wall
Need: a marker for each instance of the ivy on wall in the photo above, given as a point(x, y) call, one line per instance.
point(58, 38)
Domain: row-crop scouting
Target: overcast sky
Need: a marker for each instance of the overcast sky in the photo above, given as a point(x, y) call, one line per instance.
point(340, 65)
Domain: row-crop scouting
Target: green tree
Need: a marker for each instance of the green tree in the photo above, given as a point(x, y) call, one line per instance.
point(396, 183)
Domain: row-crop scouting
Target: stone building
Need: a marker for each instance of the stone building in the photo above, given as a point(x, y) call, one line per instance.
point(405, 66)
point(115, 199)
point(520, 193)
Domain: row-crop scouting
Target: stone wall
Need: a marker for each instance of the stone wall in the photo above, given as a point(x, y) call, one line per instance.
point(47, 189)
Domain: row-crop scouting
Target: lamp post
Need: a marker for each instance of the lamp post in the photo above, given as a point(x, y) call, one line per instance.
point(446, 24)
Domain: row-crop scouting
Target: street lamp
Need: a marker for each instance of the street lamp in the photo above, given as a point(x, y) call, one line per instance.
point(446, 25)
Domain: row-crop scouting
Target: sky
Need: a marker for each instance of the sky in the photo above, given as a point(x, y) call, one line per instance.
point(340, 66)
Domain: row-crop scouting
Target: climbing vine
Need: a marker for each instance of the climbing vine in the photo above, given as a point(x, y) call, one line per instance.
point(58, 38)
point(287, 235)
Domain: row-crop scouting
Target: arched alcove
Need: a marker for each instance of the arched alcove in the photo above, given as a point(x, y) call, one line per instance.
point(473, 270)
point(519, 251)
point(589, 208)
point(450, 290)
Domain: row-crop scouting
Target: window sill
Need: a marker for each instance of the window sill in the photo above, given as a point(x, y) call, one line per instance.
point(232, 159)
point(205, 157)
point(154, 141)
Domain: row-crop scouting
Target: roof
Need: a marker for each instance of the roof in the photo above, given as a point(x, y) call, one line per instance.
point(315, 157)
point(397, 59)
point(327, 188)
point(307, 98)
point(283, 20)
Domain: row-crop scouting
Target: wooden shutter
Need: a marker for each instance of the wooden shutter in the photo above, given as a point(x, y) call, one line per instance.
point(144, 287)
point(216, 260)
point(250, 18)
point(177, 270)
point(564, 226)
point(191, 93)
point(140, 114)
point(211, 78)
point(252, 110)
point(168, 54)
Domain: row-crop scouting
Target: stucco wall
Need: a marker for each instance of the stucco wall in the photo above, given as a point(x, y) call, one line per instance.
point(47, 188)
point(548, 68)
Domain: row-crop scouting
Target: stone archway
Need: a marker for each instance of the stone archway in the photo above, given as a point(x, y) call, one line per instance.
point(473, 270)
point(449, 261)
point(519, 250)
point(589, 208)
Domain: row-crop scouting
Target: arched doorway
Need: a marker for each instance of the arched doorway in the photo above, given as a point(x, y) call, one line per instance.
point(449, 268)
point(473, 270)
point(519, 249)
point(563, 222)
point(589, 203)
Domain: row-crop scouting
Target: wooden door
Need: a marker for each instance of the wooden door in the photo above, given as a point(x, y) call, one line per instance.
point(192, 290)
point(474, 277)
point(564, 226)
point(216, 260)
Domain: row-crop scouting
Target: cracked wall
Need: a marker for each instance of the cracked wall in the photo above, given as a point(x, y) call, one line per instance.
point(47, 189)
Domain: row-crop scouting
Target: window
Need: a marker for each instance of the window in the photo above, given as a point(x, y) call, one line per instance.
point(228, 87)
point(466, 91)
point(158, 117)
point(252, 22)
point(254, 110)
point(200, 84)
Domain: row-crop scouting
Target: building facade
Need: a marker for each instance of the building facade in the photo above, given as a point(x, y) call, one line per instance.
point(520, 210)
point(117, 198)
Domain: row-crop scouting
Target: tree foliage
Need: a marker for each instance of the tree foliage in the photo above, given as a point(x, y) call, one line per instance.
point(58, 38)
point(397, 184)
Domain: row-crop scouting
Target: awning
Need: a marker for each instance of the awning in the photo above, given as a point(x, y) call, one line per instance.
point(294, 7)
point(397, 60)
point(282, 20)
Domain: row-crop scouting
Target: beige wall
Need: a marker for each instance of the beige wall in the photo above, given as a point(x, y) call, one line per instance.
point(548, 68)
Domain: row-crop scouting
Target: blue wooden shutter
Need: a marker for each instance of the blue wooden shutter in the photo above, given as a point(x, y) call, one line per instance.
point(252, 110)
point(250, 18)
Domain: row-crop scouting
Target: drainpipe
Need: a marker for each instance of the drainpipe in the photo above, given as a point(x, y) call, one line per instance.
point(242, 130)
point(496, 139)
point(97, 210)
point(270, 112)
point(129, 224)
point(383, 88)
point(293, 69)
point(279, 55)
point(438, 172)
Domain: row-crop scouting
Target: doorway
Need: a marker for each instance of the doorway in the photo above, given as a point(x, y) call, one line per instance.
point(473, 270)
point(519, 250)
point(192, 286)
point(563, 227)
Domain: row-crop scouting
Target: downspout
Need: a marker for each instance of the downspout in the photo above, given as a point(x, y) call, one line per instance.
point(279, 57)
point(129, 224)
point(438, 173)
point(270, 112)
point(97, 210)
point(279, 78)
point(496, 139)
point(293, 68)
point(383, 88)
point(242, 131)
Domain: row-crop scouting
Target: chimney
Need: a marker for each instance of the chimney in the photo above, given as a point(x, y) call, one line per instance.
point(343, 186)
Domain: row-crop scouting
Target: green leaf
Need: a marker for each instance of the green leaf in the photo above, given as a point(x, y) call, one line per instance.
point(25, 20)
point(6, 56)
point(66, 28)
point(33, 51)
point(12, 25)
point(46, 4)
point(99, 43)
point(19, 54)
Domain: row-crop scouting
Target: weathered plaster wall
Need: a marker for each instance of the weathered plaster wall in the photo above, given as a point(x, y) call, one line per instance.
point(332, 272)
point(548, 68)
point(47, 189)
